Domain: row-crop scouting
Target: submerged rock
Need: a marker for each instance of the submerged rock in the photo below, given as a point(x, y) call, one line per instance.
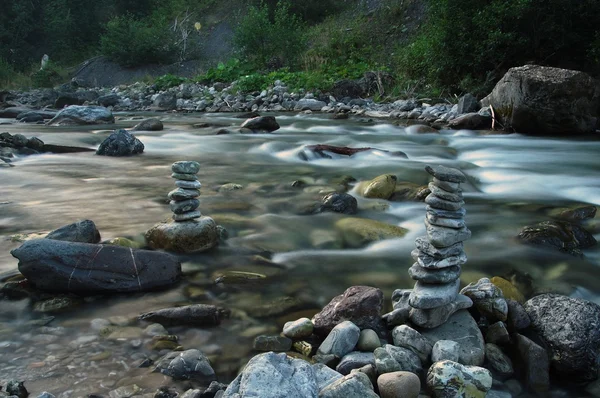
point(561, 235)
point(60, 266)
point(261, 123)
point(357, 232)
point(120, 143)
point(81, 115)
point(570, 328)
point(187, 365)
point(339, 203)
point(152, 124)
point(194, 315)
point(381, 187)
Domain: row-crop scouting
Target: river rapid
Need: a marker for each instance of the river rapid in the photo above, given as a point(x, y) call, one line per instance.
point(513, 181)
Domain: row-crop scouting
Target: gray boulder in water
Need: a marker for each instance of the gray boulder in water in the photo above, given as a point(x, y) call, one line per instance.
point(120, 143)
point(81, 115)
point(59, 266)
point(535, 99)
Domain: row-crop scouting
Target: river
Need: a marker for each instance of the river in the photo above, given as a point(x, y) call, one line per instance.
point(513, 181)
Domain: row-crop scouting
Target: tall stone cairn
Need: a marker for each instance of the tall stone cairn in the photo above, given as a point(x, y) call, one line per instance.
point(184, 203)
point(440, 254)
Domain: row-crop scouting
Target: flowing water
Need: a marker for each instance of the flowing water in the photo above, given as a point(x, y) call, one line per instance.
point(514, 181)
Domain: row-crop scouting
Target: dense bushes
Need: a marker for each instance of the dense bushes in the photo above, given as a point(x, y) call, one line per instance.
point(270, 42)
point(469, 44)
point(146, 44)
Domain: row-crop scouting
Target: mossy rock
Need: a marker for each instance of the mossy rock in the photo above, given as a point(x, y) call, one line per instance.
point(508, 289)
point(357, 232)
point(409, 191)
point(380, 187)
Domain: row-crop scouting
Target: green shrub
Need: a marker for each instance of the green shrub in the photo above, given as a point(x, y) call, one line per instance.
point(466, 45)
point(225, 72)
point(50, 76)
point(167, 81)
point(131, 42)
point(263, 41)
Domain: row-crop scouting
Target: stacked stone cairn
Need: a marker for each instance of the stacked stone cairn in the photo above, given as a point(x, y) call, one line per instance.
point(440, 255)
point(184, 203)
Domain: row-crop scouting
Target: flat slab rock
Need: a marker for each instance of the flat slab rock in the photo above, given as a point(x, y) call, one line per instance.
point(60, 266)
point(195, 315)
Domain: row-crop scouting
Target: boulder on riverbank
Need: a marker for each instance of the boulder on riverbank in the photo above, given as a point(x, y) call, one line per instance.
point(535, 99)
point(82, 115)
point(60, 266)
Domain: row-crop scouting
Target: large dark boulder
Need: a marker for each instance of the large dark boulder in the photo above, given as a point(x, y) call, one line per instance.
point(60, 266)
point(120, 143)
point(534, 99)
point(347, 88)
point(83, 231)
point(570, 328)
point(261, 123)
point(81, 115)
point(359, 304)
point(108, 100)
point(561, 235)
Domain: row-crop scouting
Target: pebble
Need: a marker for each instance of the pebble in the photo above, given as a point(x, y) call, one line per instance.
point(272, 343)
point(187, 216)
point(384, 362)
point(451, 379)
point(186, 167)
point(407, 337)
point(155, 329)
point(445, 350)
point(341, 340)
point(180, 194)
point(425, 296)
point(399, 385)
point(434, 276)
point(188, 184)
point(183, 206)
point(368, 340)
point(446, 174)
point(354, 385)
point(406, 359)
point(497, 333)
point(487, 298)
point(536, 365)
point(442, 204)
point(498, 360)
point(432, 318)
point(355, 360)
point(517, 318)
point(298, 329)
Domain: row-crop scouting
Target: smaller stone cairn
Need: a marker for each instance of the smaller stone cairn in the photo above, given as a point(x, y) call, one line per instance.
point(184, 203)
point(440, 255)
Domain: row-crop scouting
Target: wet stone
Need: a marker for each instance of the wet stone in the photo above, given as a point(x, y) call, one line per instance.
point(447, 186)
point(426, 296)
point(446, 173)
point(440, 193)
point(384, 362)
point(427, 261)
point(498, 360)
point(298, 329)
point(368, 340)
point(434, 276)
point(444, 237)
point(447, 379)
point(407, 337)
point(434, 317)
point(442, 204)
point(423, 245)
point(184, 176)
point(399, 384)
point(341, 340)
point(181, 194)
point(355, 360)
point(187, 216)
point(455, 223)
point(406, 358)
point(445, 350)
point(497, 334)
point(517, 318)
point(184, 206)
point(186, 167)
point(188, 184)
point(458, 214)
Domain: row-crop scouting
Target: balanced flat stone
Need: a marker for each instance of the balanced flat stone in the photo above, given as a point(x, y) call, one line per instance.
point(434, 317)
point(181, 194)
point(186, 167)
point(455, 223)
point(444, 237)
point(60, 266)
point(434, 276)
point(459, 214)
point(440, 193)
point(423, 245)
point(425, 296)
point(184, 206)
point(187, 216)
point(446, 185)
point(446, 173)
point(442, 204)
point(185, 177)
point(427, 261)
point(188, 184)
point(184, 237)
